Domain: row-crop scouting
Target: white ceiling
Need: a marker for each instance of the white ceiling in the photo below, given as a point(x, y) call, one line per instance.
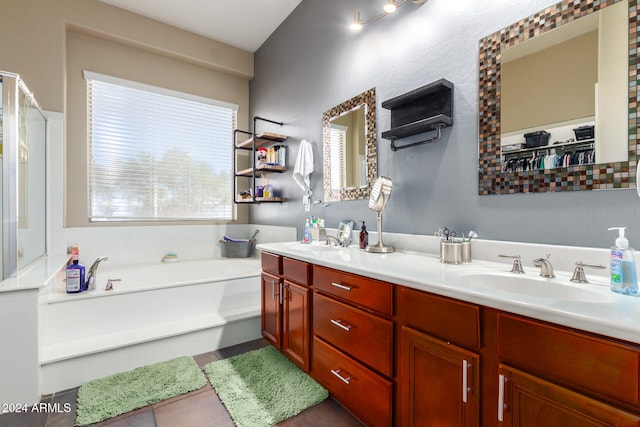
point(245, 24)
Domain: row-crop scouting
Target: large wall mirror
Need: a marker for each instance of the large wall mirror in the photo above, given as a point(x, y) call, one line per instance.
point(558, 100)
point(349, 148)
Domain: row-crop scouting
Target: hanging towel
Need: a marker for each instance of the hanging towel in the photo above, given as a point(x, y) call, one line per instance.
point(304, 165)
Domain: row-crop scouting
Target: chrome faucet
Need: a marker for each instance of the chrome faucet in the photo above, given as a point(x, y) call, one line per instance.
point(332, 241)
point(93, 270)
point(546, 269)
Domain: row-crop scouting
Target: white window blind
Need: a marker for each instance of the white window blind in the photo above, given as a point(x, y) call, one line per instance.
point(338, 153)
point(157, 154)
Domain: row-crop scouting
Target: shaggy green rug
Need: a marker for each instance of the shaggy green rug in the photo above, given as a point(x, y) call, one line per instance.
point(262, 387)
point(114, 395)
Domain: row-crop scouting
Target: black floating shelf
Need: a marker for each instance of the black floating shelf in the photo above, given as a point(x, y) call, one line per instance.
point(425, 109)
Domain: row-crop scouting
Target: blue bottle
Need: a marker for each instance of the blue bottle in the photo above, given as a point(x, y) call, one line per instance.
point(75, 276)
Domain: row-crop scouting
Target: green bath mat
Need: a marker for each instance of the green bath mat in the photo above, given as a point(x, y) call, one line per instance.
point(114, 395)
point(262, 387)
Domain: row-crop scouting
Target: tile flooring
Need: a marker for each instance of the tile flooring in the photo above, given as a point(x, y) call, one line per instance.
point(199, 408)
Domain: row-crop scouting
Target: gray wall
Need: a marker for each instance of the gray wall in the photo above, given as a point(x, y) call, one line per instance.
point(313, 62)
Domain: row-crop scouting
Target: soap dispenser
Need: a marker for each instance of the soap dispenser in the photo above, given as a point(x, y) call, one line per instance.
point(364, 237)
point(624, 279)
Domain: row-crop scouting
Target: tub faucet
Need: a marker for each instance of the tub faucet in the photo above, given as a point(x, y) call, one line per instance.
point(93, 270)
point(546, 269)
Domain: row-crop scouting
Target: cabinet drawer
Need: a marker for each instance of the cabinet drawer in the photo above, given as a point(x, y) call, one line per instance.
point(598, 366)
point(362, 291)
point(296, 271)
point(359, 389)
point(362, 335)
point(271, 263)
point(445, 318)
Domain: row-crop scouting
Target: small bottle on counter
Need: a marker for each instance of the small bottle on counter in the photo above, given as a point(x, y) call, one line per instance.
point(75, 276)
point(364, 237)
point(624, 279)
point(306, 237)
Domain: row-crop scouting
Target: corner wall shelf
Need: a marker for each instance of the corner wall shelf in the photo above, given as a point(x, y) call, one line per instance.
point(428, 108)
point(256, 170)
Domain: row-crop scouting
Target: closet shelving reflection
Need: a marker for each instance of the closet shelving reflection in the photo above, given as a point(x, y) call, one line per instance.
point(251, 144)
point(560, 149)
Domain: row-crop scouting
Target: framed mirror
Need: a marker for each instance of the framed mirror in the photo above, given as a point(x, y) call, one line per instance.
point(349, 148)
point(586, 132)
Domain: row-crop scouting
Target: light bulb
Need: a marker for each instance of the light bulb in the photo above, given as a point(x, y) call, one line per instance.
point(390, 7)
point(356, 24)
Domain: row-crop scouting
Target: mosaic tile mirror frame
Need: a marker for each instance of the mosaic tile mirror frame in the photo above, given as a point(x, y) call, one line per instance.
point(368, 99)
point(570, 178)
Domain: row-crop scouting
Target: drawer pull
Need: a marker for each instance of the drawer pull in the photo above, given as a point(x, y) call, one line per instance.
point(465, 380)
point(337, 374)
point(341, 325)
point(501, 405)
point(343, 287)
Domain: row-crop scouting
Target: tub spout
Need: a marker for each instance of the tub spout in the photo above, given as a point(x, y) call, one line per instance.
point(93, 270)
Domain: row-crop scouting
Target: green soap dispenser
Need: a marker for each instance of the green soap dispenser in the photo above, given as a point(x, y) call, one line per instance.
point(624, 279)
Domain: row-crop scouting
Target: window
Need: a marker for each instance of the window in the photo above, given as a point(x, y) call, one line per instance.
point(338, 154)
point(157, 154)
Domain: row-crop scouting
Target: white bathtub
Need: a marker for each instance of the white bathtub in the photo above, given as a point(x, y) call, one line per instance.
point(155, 312)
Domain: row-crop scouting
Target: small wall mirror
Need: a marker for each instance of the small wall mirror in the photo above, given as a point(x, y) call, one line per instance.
point(558, 111)
point(349, 148)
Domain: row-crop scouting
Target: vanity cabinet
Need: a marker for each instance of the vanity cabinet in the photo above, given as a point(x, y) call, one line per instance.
point(285, 307)
point(527, 400)
point(566, 377)
point(438, 380)
point(353, 342)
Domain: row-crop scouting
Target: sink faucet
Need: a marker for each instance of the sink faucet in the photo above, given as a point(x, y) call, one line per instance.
point(93, 270)
point(546, 269)
point(332, 241)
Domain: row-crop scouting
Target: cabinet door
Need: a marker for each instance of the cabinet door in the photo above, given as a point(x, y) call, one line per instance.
point(439, 382)
point(295, 328)
point(271, 308)
point(528, 401)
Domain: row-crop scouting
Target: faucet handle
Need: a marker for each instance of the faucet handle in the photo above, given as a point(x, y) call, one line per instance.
point(578, 274)
point(109, 286)
point(517, 263)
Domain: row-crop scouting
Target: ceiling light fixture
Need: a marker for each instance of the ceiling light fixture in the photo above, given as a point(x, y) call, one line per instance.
point(389, 7)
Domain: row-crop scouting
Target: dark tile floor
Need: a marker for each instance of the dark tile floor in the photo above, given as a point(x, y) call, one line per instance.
point(200, 408)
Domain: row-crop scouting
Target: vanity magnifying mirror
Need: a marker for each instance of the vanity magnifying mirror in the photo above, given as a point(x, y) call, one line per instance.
point(349, 148)
point(608, 170)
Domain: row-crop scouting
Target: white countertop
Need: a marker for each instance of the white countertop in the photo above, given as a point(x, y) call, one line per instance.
point(36, 275)
point(613, 315)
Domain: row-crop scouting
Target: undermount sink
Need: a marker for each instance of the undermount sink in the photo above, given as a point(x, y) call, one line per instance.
point(530, 285)
point(311, 247)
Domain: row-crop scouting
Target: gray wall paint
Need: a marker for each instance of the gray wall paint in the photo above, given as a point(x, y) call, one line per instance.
point(313, 62)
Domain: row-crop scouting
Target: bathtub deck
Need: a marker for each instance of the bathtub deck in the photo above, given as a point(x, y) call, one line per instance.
point(90, 337)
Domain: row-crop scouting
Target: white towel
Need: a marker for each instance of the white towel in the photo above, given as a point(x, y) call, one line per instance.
point(304, 165)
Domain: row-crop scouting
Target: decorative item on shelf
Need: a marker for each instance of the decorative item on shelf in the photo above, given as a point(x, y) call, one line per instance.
point(266, 156)
point(389, 7)
point(428, 108)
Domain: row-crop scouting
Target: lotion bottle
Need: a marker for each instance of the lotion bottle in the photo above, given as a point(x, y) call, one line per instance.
point(75, 276)
point(364, 237)
point(624, 279)
point(306, 237)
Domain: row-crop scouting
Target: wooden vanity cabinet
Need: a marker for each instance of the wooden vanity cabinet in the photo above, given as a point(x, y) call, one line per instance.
point(526, 400)
point(353, 342)
point(285, 307)
point(438, 380)
point(565, 377)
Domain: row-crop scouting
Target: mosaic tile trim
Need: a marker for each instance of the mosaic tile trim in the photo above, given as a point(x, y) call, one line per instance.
point(573, 178)
point(352, 193)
